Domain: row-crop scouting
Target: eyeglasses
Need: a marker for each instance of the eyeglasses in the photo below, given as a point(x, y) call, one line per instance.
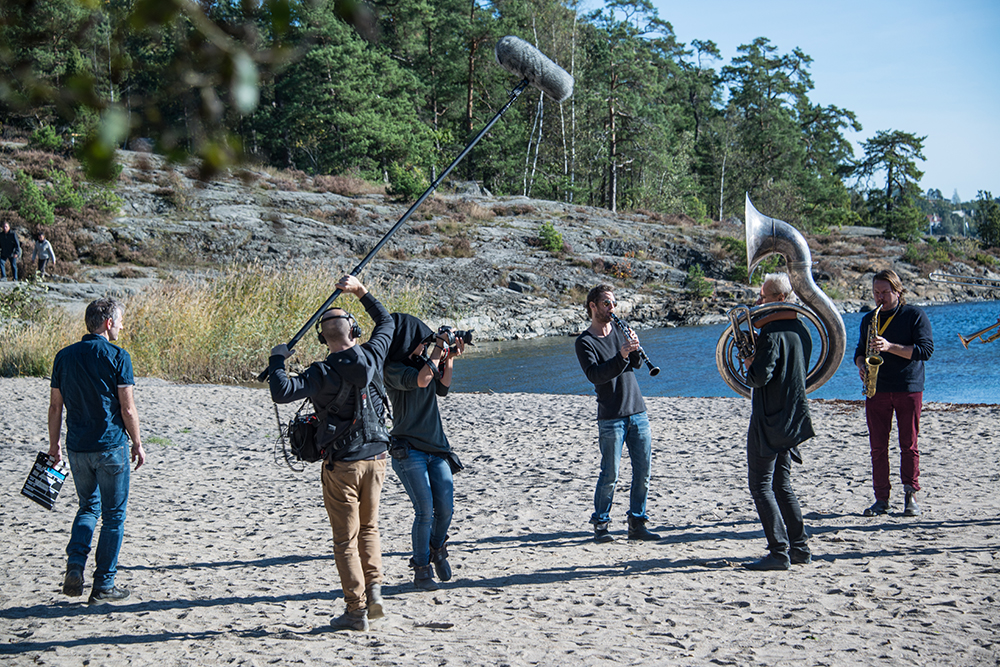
point(608, 302)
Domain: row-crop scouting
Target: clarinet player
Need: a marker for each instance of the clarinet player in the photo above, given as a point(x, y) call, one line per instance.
point(609, 358)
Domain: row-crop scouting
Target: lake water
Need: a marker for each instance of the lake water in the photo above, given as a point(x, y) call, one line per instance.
point(686, 357)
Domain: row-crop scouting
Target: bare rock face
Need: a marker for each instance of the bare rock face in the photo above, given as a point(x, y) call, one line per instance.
point(481, 257)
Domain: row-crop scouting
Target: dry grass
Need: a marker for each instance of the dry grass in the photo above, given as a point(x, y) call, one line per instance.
point(346, 186)
point(217, 330)
point(345, 215)
point(37, 164)
point(222, 330)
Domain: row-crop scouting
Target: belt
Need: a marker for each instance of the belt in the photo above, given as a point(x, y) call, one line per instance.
point(377, 457)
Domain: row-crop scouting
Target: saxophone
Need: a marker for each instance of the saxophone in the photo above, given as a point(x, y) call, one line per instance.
point(872, 358)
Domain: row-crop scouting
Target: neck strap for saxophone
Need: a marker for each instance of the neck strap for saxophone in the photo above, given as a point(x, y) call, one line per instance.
point(885, 324)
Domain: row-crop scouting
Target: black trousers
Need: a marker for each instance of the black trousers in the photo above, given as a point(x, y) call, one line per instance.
point(770, 481)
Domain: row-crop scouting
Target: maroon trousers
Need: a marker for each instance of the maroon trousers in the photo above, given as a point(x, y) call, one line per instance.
point(878, 411)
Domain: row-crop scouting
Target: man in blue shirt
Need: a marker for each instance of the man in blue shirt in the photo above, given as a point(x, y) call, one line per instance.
point(93, 380)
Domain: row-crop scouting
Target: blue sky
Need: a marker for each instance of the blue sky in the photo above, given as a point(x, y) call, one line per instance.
point(929, 67)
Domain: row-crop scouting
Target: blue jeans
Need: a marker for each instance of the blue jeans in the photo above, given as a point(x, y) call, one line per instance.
point(770, 482)
point(101, 480)
point(431, 488)
point(3, 267)
point(632, 431)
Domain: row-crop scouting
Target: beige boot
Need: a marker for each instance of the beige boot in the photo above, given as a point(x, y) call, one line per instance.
point(351, 620)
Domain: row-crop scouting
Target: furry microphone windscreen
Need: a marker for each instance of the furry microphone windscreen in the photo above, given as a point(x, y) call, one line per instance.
point(526, 62)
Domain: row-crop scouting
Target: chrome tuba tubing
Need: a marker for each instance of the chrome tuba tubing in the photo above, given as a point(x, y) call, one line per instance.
point(768, 236)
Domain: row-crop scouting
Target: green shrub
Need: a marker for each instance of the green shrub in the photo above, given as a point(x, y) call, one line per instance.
point(102, 197)
point(738, 274)
point(550, 237)
point(23, 301)
point(406, 182)
point(45, 138)
point(31, 202)
point(983, 258)
point(931, 252)
point(769, 265)
point(697, 284)
point(834, 292)
point(695, 208)
point(63, 193)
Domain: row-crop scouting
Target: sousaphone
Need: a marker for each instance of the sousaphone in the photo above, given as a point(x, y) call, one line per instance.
point(769, 236)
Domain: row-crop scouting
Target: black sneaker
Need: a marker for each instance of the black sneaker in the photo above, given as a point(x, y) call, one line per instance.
point(73, 583)
point(799, 556)
point(769, 562)
point(878, 508)
point(113, 594)
point(637, 530)
point(601, 533)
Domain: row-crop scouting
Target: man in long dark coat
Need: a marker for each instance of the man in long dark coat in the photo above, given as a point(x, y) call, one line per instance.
point(780, 421)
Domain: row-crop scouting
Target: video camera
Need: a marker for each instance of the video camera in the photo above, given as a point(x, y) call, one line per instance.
point(452, 336)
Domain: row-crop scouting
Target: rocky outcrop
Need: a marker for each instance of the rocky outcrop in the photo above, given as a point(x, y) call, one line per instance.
point(480, 256)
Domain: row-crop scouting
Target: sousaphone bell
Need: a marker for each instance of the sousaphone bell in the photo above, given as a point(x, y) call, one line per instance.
point(769, 236)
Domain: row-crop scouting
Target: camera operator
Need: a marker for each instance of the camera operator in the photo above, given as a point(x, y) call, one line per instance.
point(354, 471)
point(418, 370)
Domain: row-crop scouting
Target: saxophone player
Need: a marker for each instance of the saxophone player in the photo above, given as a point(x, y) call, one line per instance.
point(903, 339)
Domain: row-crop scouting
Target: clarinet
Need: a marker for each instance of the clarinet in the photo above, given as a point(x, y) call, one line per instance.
point(627, 330)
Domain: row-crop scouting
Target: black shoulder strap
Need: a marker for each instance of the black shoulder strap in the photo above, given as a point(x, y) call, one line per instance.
point(340, 399)
point(379, 386)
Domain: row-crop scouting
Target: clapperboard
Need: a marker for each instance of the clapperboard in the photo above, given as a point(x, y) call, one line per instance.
point(44, 482)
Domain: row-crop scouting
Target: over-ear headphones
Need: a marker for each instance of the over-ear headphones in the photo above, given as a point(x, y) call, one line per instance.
point(354, 334)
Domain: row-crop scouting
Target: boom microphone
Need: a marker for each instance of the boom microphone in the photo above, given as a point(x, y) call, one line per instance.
point(517, 57)
point(526, 62)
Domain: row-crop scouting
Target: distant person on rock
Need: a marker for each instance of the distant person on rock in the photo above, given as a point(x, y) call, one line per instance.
point(43, 254)
point(608, 358)
point(10, 251)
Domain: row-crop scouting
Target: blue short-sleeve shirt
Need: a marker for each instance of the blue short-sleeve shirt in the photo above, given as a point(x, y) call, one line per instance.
point(88, 374)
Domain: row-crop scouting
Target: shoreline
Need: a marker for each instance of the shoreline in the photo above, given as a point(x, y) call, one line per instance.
point(229, 558)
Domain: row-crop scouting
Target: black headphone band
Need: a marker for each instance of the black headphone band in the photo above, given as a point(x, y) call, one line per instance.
point(355, 331)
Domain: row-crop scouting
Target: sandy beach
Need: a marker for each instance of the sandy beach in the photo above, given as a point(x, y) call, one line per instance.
point(228, 553)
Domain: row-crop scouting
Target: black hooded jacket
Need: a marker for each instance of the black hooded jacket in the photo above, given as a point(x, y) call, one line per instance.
point(321, 383)
point(409, 330)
